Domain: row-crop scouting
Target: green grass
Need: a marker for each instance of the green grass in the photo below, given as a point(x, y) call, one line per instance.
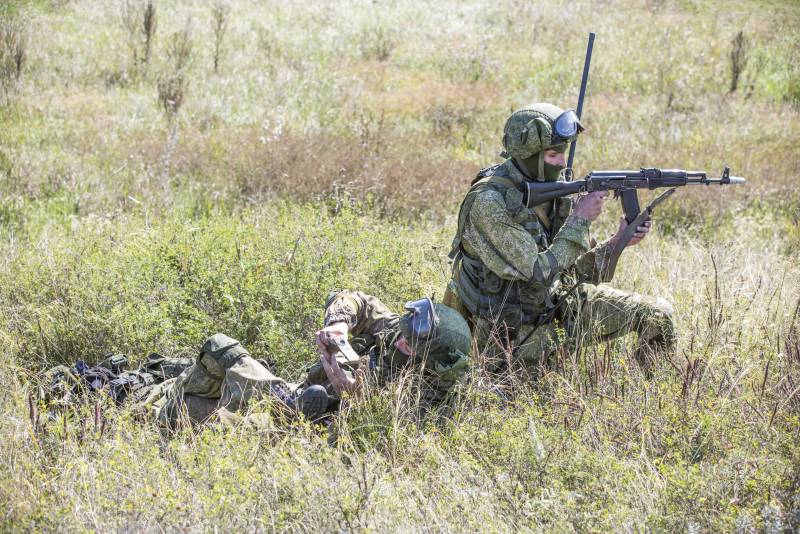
point(331, 150)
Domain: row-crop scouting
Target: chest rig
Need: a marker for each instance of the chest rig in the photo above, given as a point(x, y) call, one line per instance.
point(482, 292)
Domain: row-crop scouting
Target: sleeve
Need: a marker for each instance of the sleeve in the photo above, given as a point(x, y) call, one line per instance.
point(509, 251)
point(364, 314)
point(592, 265)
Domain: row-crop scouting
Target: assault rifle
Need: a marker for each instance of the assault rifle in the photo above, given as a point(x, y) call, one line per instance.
point(625, 185)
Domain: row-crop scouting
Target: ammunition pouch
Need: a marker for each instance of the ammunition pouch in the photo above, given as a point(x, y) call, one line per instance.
point(116, 363)
point(128, 383)
point(486, 295)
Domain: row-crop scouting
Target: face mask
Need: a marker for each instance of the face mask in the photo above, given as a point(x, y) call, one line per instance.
point(552, 172)
point(536, 166)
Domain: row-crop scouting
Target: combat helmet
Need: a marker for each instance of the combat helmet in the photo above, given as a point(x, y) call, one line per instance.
point(436, 329)
point(534, 128)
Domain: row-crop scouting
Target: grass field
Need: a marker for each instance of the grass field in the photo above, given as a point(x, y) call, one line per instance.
point(225, 170)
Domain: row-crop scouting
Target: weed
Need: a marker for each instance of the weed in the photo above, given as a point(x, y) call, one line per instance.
point(376, 43)
point(139, 21)
point(220, 13)
point(739, 49)
point(269, 46)
point(173, 86)
point(14, 41)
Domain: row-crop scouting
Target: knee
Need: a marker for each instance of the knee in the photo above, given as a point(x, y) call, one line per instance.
point(219, 352)
point(660, 322)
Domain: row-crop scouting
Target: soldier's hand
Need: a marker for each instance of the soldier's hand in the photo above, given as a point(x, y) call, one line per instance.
point(641, 231)
point(322, 336)
point(589, 206)
point(337, 377)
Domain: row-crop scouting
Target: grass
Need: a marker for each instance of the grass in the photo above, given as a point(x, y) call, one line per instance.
point(328, 146)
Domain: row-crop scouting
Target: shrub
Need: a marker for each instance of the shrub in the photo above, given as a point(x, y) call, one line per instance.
point(220, 13)
point(14, 41)
point(139, 21)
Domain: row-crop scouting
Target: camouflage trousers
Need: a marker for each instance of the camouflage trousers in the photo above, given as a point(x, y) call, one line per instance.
point(592, 314)
point(222, 381)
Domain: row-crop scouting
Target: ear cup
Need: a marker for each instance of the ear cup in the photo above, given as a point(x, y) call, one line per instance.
point(526, 133)
point(544, 133)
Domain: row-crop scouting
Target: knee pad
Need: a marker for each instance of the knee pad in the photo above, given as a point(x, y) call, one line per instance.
point(223, 351)
point(659, 324)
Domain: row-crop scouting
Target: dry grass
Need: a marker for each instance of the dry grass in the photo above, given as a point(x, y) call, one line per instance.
point(329, 146)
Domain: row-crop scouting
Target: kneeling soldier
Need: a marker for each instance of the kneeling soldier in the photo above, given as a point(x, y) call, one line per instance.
point(521, 275)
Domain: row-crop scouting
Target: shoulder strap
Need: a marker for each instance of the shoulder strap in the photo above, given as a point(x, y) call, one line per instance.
point(543, 218)
point(485, 176)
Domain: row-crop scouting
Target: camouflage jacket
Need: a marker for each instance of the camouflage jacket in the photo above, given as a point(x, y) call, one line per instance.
point(511, 262)
point(373, 330)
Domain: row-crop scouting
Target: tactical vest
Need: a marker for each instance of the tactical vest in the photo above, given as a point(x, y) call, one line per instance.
point(482, 292)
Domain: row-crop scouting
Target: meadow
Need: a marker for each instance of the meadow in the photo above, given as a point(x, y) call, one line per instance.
point(171, 169)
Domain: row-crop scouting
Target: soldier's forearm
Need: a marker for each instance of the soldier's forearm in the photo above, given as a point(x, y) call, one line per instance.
point(571, 241)
point(344, 308)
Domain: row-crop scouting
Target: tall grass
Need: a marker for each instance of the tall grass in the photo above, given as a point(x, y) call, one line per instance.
point(329, 147)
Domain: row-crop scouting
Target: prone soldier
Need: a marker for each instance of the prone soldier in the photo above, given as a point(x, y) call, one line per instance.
point(431, 338)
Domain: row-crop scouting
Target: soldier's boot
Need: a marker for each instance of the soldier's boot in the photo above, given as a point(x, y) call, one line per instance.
point(312, 401)
point(649, 351)
point(656, 331)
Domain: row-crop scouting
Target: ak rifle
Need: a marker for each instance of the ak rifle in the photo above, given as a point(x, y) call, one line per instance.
point(624, 184)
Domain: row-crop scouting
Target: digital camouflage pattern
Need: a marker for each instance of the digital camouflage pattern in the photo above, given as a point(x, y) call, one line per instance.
point(513, 263)
point(529, 130)
point(374, 329)
point(595, 313)
point(224, 376)
point(512, 244)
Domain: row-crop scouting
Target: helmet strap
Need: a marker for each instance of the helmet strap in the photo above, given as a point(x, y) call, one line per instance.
point(540, 175)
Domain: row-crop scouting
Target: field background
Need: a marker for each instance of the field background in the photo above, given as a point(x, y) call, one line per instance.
point(151, 198)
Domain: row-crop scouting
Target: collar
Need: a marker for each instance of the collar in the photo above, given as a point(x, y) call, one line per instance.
point(514, 173)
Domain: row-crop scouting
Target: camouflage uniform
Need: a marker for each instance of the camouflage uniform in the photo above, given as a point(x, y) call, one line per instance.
point(225, 377)
point(373, 332)
point(513, 264)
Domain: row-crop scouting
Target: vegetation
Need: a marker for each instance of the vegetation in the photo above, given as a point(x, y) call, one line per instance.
point(173, 169)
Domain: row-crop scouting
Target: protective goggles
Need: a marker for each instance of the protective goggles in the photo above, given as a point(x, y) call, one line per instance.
point(566, 127)
point(423, 320)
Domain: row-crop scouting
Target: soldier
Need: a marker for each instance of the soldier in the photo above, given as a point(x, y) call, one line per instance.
point(430, 337)
point(520, 273)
